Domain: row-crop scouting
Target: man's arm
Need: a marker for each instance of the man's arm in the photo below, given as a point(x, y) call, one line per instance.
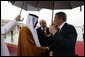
point(9, 27)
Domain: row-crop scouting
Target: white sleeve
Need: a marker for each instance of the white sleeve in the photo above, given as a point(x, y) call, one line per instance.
point(8, 27)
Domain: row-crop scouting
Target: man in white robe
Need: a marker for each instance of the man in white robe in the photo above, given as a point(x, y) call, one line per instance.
point(4, 30)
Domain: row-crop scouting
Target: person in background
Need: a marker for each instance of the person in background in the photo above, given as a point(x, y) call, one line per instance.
point(42, 32)
point(12, 36)
point(43, 35)
point(83, 31)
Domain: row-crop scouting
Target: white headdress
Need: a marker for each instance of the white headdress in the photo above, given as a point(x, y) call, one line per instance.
point(30, 22)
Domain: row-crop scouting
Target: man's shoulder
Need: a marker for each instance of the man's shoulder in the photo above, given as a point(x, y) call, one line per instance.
point(70, 28)
point(39, 28)
point(25, 28)
point(69, 25)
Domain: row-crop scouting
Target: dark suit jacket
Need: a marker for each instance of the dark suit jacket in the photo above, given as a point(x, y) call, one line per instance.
point(64, 41)
point(44, 41)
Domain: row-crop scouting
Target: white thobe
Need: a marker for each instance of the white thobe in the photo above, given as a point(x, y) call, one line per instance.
point(4, 30)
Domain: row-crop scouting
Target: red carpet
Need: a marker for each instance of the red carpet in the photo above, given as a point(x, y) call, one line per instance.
point(79, 49)
point(12, 49)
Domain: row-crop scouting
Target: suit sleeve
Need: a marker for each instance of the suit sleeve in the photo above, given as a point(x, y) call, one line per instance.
point(66, 40)
point(8, 27)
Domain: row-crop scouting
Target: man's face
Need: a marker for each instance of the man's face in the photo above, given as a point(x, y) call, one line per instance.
point(57, 21)
point(43, 24)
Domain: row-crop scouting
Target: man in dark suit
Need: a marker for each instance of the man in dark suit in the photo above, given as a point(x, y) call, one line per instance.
point(43, 32)
point(43, 35)
point(64, 37)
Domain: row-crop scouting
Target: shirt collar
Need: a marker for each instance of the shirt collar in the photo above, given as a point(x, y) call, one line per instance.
point(60, 27)
point(44, 28)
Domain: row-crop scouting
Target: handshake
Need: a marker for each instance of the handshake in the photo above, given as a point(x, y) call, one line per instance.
point(46, 50)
